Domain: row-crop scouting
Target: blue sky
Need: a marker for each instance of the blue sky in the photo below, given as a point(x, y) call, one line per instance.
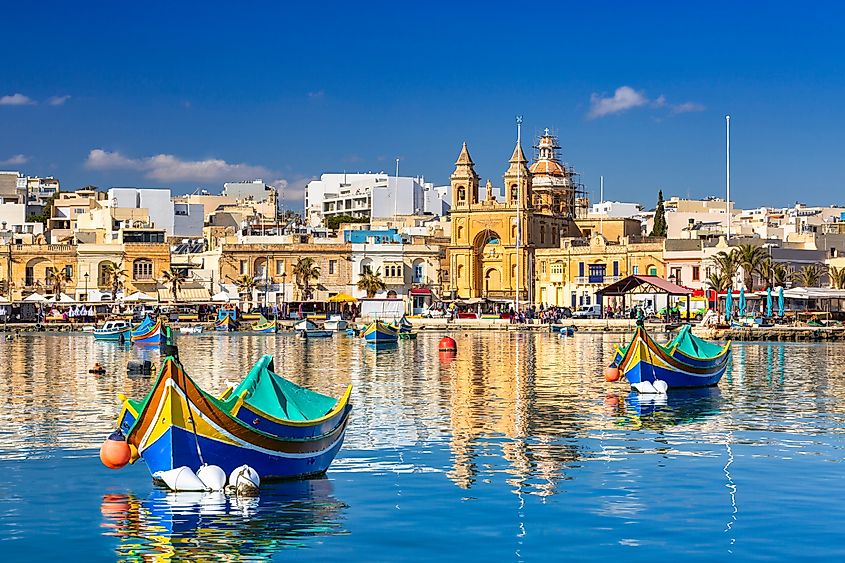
point(191, 95)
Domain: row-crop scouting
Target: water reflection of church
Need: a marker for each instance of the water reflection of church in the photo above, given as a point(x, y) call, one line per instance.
point(483, 255)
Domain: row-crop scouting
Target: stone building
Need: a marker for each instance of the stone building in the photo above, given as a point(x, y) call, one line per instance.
point(492, 251)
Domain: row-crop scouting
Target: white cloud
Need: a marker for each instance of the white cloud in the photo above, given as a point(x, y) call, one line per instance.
point(169, 168)
point(15, 160)
point(623, 99)
point(16, 100)
point(317, 95)
point(687, 107)
point(57, 100)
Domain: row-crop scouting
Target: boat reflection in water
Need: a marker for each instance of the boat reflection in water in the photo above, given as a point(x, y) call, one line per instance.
point(679, 406)
point(215, 526)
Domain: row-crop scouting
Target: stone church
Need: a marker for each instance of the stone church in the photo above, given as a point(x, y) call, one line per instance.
point(493, 240)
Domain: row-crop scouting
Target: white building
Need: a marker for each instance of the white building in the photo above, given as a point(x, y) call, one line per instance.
point(616, 209)
point(255, 190)
point(371, 196)
point(155, 201)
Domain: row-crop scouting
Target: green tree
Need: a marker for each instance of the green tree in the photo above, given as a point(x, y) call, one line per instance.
point(371, 282)
point(719, 282)
point(175, 279)
point(304, 272)
point(837, 277)
point(336, 221)
point(727, 263)
point(58, 279)
point(809, 276)
point(780, 275)
point(751, 259)
point(114, 274)
point(659, 229)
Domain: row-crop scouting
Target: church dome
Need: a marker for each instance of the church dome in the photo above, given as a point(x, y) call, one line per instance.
point(547, 168)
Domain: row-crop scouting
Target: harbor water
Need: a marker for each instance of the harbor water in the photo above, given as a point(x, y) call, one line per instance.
point(515, 449)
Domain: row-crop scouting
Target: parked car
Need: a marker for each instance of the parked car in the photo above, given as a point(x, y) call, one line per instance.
point(587, 312)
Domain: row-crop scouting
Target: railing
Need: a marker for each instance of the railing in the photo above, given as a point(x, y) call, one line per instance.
point(596, 279)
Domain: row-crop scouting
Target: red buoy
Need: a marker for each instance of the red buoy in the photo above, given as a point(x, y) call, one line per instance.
point(611, 374)
point(447, 344)
point(115, 452)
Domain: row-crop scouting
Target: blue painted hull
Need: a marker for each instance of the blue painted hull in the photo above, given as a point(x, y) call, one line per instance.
point(674, 378)
point(113, 336)
point(178, 447)
point(379, 337)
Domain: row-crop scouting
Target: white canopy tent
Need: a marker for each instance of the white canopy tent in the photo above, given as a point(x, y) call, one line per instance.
point(62, 298)
point(138, 297)
point(35, 298)
point(224, 297)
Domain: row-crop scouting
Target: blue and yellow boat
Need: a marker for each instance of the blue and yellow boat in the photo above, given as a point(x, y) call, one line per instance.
point(266, 327)
point(686, 361)
point(267, 422)
point(225, 323)
point(148, 332)
point(380, 332)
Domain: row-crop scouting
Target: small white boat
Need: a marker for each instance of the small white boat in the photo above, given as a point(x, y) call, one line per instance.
point(305, 324)
point(190, 329)
point(335, 323)
point(113, 331)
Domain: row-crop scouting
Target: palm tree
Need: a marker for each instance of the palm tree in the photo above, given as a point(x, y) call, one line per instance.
point(114, 274)
point(780, 274)
point(719, 282)
point(371, 282)
point(175, 278)
point(304, 271)
point(58, 278)
point(837, 277)
point(809, 276)
point(766, 271)
point(728, 264)
point(246, 284)
point(750, 258)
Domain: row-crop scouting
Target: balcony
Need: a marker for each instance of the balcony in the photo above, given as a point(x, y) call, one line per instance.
point(596, 280)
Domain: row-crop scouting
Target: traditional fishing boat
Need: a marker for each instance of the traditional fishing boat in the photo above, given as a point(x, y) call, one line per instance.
point(305, 324)
point(266, 327)
point(148, 332)
point(380, 332)
point(225, 323)
point(686, 361)
point(316, 333)
point(278, 428)
point(114, 331)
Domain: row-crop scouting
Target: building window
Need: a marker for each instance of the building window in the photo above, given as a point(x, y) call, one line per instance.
point(462, 193)
point(69, 272)
point(543, 267)
point(418, 273)
point(514, 193)
point(696, 273)
point(581, 269)
point(596, 273)
point(243, 267)
point(332, 266)
point(280, 267)
point(635, 270)
point(557, 268)
point(616, 269)
point(676, 275)
point(542, 234)
point(142, 269)
point(652, 270)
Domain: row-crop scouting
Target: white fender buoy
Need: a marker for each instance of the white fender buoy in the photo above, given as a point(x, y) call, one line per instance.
point(212, 477)
point(180, 479)
point(644, 387)
point(245, 480)
point(660, 386)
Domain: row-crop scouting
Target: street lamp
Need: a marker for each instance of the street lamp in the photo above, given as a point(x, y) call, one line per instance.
point(284, 298)
point(86, 286)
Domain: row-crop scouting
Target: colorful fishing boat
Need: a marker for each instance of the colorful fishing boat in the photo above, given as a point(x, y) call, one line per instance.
point(687, 361)
point(225, 323)
point(380, 332)
point(114, 331)
point(278, 428)
point(266, 327)
point(335, 323)
point(149, 332)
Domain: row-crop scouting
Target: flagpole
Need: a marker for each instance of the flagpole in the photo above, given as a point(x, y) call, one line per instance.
point(518, 212)
point(728, 171)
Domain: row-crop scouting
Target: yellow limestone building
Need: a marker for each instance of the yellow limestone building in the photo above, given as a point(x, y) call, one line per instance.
point(483, 257)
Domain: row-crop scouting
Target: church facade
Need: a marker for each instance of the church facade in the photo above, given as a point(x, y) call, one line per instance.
point(492, 251)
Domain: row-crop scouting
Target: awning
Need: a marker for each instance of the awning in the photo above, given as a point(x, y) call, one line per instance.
point(644, 284)
point(138, 297)
point(420, 291)
point(35, 298)
point(185, 295)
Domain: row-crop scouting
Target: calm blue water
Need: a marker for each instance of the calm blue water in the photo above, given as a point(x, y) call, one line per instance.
point(516, 450)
